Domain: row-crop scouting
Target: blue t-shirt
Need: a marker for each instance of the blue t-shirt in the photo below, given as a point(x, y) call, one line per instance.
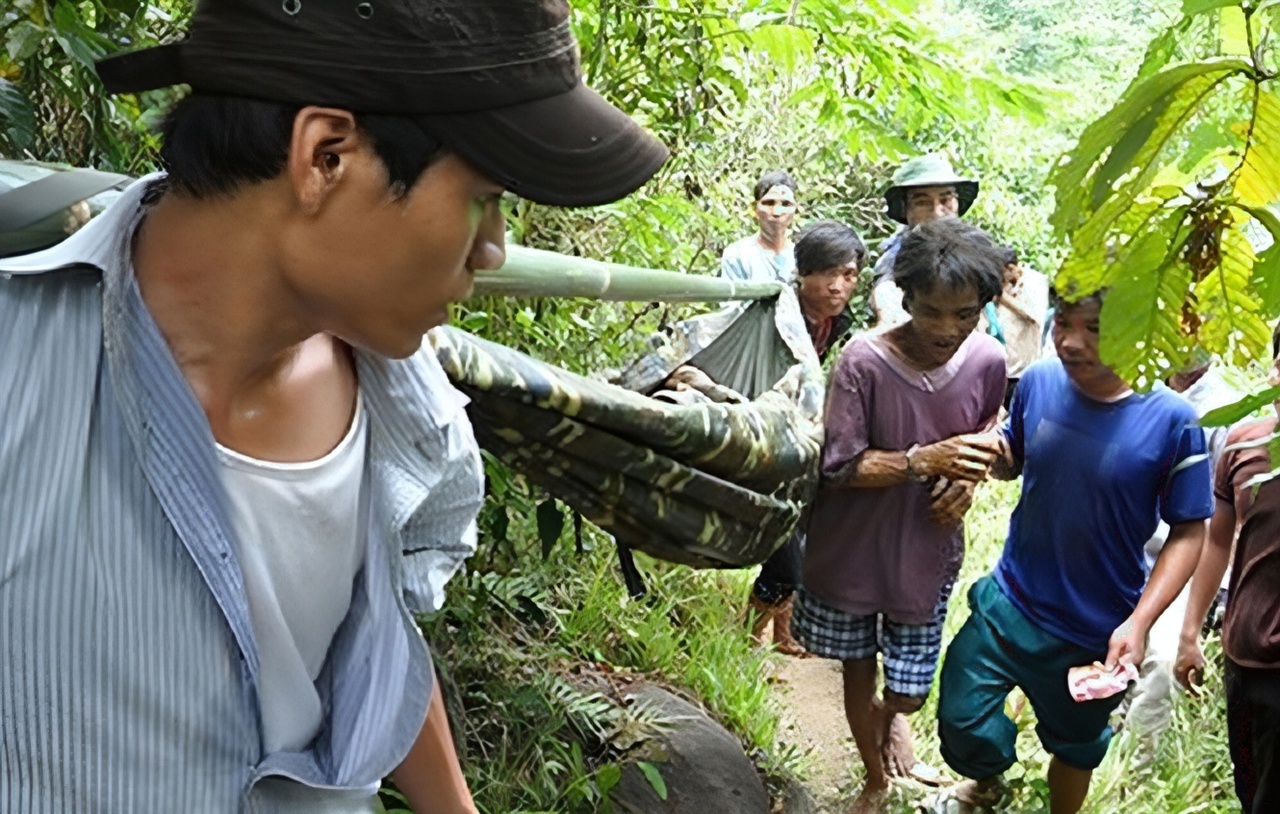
point(1097, 477)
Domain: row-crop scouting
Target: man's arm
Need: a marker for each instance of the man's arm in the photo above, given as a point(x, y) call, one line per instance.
point(963, 457)
point(1173, 568)
point(1204, 587)
point(430, 777)
point(1017, 308)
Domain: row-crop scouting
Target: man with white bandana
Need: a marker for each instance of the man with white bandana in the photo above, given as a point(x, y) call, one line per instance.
point(769, 253)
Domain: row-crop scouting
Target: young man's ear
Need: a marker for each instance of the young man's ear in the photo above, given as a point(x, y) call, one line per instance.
point(323, 142)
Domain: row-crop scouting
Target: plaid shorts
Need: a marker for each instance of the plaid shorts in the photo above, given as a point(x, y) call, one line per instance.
point(910, 652)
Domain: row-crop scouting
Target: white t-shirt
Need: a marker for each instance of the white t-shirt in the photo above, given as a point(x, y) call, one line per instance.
point(747, 261)
point(301, 531)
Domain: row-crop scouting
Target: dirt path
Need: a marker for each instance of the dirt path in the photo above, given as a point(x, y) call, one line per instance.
point(810, 704)
point(810, 701)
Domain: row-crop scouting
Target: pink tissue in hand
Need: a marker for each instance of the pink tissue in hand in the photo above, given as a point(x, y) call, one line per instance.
point(1091, 682)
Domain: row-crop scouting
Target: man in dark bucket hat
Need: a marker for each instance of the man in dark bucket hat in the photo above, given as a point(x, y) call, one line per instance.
point(239, 471)
point(925, 188)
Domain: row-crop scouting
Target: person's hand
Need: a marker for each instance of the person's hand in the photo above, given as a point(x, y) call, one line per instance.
point(688, 377)
point(1128, 644)
point(1188, 667)
point(949, 501)
point(963, 457)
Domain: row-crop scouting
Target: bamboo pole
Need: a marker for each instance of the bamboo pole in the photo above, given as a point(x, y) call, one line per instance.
point(537, 273)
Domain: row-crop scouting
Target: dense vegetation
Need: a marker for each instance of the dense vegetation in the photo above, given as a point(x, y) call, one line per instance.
point(540, 627)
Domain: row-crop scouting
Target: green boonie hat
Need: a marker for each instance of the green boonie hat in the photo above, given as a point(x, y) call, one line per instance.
point(931, 170)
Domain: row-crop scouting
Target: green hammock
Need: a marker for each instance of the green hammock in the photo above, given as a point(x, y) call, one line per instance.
point(703, 483)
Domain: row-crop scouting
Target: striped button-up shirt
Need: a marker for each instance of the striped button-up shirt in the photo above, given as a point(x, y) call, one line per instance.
point(127, 660)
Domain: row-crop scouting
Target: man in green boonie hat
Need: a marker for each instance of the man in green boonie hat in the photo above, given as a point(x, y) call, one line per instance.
point(925, 188)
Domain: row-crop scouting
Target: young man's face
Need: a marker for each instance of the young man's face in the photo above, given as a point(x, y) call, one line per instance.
point(1075, 338)
point(931, 203)
point(379, 271)
point(825, 294)
point(942, 319)
point(776, 211)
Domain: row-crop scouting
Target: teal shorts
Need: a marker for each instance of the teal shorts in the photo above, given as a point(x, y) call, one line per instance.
point(997, 649)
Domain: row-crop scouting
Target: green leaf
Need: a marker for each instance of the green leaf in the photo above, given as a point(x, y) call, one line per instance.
point(607, 776)
point(1265, 279)
point(550, 525)
point(1259, 181)
point(786, 45)
point(23, 40)
point(1229, 414)
point(1170, 97)
point(654, 777)
point(1233, 33)
point(17, 117)
point(1192, 7)
point(1104, 244)
point(1161, 50)
point(1234, 325)
point(1142, 336)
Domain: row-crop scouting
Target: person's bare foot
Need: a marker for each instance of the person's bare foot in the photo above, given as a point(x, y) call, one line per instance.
point(898, 750)
point(870, 800)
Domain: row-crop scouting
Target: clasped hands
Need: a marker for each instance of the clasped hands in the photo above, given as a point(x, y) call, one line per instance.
point(955, 466)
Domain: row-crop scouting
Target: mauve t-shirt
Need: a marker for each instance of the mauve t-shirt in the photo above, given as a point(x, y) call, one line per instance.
point(1251, 631)
point(876, 550)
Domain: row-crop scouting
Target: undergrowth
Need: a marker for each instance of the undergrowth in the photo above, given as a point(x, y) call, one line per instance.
point(535, 660)
point(536, 656)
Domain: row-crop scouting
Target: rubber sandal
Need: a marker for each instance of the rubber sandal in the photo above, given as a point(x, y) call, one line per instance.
point(945, 801)
point(927, 775)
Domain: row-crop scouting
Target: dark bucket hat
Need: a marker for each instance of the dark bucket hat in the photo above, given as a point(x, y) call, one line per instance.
point(498, 81)
point(931, 170)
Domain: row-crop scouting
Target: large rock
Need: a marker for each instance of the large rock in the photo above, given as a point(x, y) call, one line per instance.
point(702, 764)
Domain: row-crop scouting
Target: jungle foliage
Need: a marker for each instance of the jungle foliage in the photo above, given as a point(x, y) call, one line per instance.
point(1168, 201)
point(51, 103)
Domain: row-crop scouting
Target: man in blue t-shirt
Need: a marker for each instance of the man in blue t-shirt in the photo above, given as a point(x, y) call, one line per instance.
point(1101, 465)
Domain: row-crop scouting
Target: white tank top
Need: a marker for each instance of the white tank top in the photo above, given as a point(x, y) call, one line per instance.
point(301, 536)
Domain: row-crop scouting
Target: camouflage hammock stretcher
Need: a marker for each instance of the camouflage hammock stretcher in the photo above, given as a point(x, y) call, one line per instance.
point(703, 483)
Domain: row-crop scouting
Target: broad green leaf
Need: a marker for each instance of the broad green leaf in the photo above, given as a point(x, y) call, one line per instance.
point(1121, 158)
point(1190, 7)
point(1161, 50)
point(1175, 94)
point(1265, 279)
point(1233, 33)
point(1142, 335)
point(1259, 180)
point(1234, 326)
point(607, 776)
point(1229, 414)
point(1103, 245)
point(654, 777)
